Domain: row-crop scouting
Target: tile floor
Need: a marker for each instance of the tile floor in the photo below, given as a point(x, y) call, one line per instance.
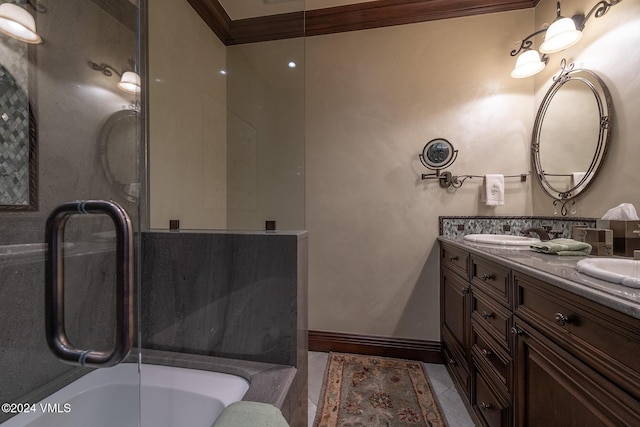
point(450, 401)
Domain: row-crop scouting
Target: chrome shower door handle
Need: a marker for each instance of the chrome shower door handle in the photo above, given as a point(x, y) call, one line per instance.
point(54, 284)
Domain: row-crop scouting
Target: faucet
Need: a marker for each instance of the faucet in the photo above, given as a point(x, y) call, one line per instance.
point(541, 232)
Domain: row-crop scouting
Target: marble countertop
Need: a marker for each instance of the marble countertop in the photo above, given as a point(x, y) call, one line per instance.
point(559, 271)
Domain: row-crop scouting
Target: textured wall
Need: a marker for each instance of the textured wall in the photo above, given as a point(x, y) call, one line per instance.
point(265, 136)
point(374, 98)
point(187, 116)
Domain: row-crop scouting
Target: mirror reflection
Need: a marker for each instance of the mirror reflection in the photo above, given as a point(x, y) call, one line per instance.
point(438, 154)
point(118, 153)
point(571, 133)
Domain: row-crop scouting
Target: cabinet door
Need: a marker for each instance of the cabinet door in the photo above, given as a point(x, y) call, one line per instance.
point(456, 316)
point(554, 388)
point(456, 322)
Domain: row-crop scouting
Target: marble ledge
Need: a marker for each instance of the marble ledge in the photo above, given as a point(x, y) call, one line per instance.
point(559, 271)
point(268, 382)
point(299, 233)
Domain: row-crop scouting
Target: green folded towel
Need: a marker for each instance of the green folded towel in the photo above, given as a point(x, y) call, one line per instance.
point(250, 414)
point(563, 247)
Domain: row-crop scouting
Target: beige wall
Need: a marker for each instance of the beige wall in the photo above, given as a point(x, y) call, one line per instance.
point(374, 98)
point(187, 113)
point(609, 47)
point(265, 143)
point(226, 151)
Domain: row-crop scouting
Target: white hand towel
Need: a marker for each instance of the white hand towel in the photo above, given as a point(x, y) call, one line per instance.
point(493, 190)
point(576, 177)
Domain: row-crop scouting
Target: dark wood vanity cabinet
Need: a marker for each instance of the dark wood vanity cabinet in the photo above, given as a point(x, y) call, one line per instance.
point(455, 318)
point(535, 354)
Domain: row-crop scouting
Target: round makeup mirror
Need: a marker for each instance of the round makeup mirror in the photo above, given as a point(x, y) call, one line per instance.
point(571, 134)
point(438, 154)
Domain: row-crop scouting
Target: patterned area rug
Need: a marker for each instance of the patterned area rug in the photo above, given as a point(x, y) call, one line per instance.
point(374, 391)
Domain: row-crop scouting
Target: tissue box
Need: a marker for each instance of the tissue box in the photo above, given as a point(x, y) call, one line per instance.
point(626, 235)
point(601, 240)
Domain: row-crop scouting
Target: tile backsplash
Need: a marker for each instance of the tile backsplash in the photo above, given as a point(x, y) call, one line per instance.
point(454, 227)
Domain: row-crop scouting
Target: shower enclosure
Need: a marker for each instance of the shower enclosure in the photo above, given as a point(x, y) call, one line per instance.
point(76, 210)
point(57, 133)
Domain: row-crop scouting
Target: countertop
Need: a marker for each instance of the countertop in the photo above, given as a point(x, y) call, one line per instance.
point(558, 271)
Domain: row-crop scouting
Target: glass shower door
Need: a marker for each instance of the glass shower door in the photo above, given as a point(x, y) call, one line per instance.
point(69, 136)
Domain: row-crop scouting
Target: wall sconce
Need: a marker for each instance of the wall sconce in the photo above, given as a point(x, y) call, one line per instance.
point(129, 80)
point(16, 22)
point(560, 35)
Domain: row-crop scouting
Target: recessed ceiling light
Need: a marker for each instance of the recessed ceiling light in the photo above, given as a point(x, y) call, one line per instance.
point(292, 64)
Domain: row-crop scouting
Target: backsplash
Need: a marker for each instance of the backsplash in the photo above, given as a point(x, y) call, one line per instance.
point(454, 227)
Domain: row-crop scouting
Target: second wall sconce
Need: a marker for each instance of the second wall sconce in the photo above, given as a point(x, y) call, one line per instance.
point(129, 80)
point(560, 35)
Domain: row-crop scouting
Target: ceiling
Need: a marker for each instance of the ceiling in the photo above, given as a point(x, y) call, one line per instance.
point(241, 9)
point(248, 21)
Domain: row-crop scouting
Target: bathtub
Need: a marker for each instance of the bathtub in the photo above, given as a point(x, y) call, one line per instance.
point(171, 397)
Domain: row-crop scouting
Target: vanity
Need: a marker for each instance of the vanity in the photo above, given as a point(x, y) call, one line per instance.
point(530, 341)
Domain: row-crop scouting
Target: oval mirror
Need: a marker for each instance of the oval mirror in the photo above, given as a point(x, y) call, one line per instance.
point(571, 134)
point(119, 154)
point(438, 154)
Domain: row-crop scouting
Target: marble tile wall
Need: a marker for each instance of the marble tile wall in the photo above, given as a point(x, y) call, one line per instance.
point(28, 366)
point(223, 294)
point(239, 296)
point(455, 227)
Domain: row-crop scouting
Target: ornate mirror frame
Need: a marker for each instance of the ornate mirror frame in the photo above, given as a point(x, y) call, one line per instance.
point(604, 105)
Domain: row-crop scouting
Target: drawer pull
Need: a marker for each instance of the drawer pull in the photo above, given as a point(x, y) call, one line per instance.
point(486, 277)
point(465, 290)
point(487, 315)
point(452, 362)
point(453, 258)
point(562, 319)
point(516, 331)
point(485, 406)
point(486, 353)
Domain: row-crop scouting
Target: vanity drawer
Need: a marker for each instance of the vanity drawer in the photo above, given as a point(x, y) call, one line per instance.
point(486, 352)
point(492, 279)
point(606, 339)
point(456, 259)
point(492, 316)
point(494, 410)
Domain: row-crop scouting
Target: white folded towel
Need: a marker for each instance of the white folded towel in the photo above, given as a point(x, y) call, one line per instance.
point(493, 190)
point(576, 177)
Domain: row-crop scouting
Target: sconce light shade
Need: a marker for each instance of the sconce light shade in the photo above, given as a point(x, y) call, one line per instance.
point(528, 64)
point(130, 82)
point(17, 23)
point(561, 34)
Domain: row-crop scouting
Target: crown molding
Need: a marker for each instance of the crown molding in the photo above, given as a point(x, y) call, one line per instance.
point(353, 17)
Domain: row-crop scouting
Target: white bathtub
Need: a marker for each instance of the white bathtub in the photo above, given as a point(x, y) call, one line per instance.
point(109, 397)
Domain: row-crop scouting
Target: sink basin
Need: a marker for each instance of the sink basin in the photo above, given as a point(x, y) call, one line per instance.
point(616, 270)
point(501, 240)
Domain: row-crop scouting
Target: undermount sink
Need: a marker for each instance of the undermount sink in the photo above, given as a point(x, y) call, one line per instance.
point(501, 240)
point(615, 270)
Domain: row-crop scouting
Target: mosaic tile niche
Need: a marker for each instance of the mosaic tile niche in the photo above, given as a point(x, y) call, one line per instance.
point(14, 127)
point(454, 227)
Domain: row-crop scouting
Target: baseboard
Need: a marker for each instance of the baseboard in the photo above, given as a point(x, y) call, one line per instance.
point(401, 348)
